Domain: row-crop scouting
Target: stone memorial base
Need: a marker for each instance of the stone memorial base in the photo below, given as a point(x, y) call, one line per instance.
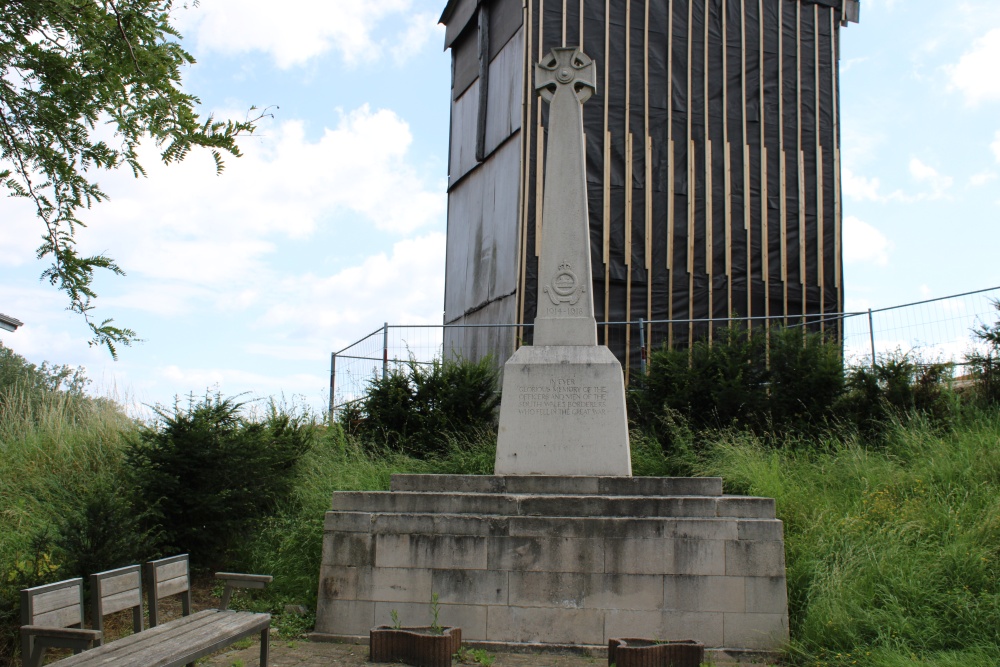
point(556, 562)
point(563, 410)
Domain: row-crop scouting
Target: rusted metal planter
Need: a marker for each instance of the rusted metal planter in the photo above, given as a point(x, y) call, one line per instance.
point(414, 646)
point(650, 653)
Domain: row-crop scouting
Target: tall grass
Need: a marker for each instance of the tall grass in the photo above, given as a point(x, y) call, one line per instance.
point(53, 445)
point(893, 554)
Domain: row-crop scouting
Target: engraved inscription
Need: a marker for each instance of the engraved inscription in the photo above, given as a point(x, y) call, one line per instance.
point(562, 397)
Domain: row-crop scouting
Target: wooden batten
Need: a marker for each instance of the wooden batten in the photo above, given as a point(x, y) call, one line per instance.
point(800, 150)
point(525, 152)
point(670, 175)
point(539, 178)
point(820, 189)
point(765, 238)
point(690, 177)
point(727, 161)
point(837, 222)
point(709, 213)
point(606, 251)
point(648, 176)
point(581, 27)
point(564, 19)
point(783, 168)
point(629, 187)
point(747, 226)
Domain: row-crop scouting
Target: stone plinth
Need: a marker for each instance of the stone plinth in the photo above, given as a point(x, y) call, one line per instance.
point(557, 561)
point(563, 410)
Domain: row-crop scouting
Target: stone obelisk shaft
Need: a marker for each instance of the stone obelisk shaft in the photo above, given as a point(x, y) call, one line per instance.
point(563, 406)
point(565, 314)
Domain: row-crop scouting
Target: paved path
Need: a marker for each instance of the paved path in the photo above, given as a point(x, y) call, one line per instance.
point(304, 653)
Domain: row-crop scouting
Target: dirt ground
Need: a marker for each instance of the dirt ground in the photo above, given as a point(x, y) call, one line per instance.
point(304, 653)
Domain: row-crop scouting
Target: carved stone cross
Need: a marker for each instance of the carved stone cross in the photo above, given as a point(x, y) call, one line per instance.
point(565, 79)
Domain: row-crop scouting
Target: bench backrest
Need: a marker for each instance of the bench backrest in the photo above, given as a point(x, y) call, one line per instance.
point(166, 577)
point(116, 590)
point(58, 605)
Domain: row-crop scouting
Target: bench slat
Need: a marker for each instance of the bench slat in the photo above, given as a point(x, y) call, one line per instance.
point(60, 618)
point(120, 583)
point(172, 586)
point(175, 643)
point(124, 600)
point(172, 570)
point(56, 600)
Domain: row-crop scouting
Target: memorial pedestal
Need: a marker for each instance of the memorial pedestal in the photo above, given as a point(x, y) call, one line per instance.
point(556, 562)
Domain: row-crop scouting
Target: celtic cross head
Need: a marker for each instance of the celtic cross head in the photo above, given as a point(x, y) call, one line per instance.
point(566, 66)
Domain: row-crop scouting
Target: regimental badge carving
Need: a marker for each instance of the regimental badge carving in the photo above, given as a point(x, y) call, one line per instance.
point(564, 287)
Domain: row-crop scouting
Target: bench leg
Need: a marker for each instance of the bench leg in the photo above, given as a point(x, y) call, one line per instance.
point(265, 638)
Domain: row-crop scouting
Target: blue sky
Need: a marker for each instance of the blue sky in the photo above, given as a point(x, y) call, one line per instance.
point(334, 220)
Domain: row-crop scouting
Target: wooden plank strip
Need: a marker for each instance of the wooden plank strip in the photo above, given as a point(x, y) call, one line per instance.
point(126, 581)
point(648, 179)
point(765, 239)
point(607, 170)
point(671, 190)
point(800, 149)
point(60, 618)
point(709, 199)
point(564, 19)
point(172, 586)
point(56, 600)
point(727, 160)
point(111, 652)
point(526, 94)
point(119, 601)
point(690, 173)
point(581, 27)
point(172, 570)
point(629, 159)
point(539, 177)
point(746, 159)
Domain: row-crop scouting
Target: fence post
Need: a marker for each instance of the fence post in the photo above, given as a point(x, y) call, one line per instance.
point(333, 381)
point(642, 347)
point(385, 350)
point(871, 335)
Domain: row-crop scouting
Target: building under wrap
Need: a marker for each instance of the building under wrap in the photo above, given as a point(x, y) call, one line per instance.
point(713, 163)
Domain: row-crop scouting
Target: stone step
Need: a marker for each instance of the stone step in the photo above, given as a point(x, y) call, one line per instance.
point(560, 485)
point(552, 505)
point(555, 527)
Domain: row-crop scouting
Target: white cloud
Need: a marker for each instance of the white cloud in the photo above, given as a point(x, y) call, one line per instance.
point(191, 233)
point(982, 178)
point(995, 146)
point(298, 30)
point(419, 30)
point(926, 175)
point(858, 187)
point(975, 73)
point(864, 244)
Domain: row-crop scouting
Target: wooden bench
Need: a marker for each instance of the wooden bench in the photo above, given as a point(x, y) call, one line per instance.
point(52, 617)
point(174, 643)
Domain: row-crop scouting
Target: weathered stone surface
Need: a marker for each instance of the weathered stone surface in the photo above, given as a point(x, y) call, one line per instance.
point(540, 554)
point(761, 529)
point(460, 552)
point(401, 584)
point(563, 412)
point(694, 593)
point(665, 556)
point(345, 583)
point(539, 624)
point(750, 558)
point(348, 522)
point(748, 508)
point(574, 485)
point(755, 631)
point(766, 595)
point(351, 549)
point(344, 617)
point(573, 590)
point(557, 565)
point(471, 586)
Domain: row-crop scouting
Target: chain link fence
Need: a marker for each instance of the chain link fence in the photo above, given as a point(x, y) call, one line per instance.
point(935, 330)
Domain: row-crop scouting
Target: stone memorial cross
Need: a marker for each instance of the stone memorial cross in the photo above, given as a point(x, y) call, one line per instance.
point(563, 406)
point(565, 316)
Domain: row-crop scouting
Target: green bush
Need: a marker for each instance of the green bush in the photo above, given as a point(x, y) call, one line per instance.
point(783, 381)
point(415, 408)
point(985, 363)
point(211, 474)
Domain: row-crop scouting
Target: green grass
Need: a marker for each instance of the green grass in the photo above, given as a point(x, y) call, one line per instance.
point(892, 553)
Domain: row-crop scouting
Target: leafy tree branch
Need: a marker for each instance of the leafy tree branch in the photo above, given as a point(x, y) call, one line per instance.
point(69, 66)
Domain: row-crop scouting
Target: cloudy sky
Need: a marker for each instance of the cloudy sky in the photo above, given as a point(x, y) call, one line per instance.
point(334, 220)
